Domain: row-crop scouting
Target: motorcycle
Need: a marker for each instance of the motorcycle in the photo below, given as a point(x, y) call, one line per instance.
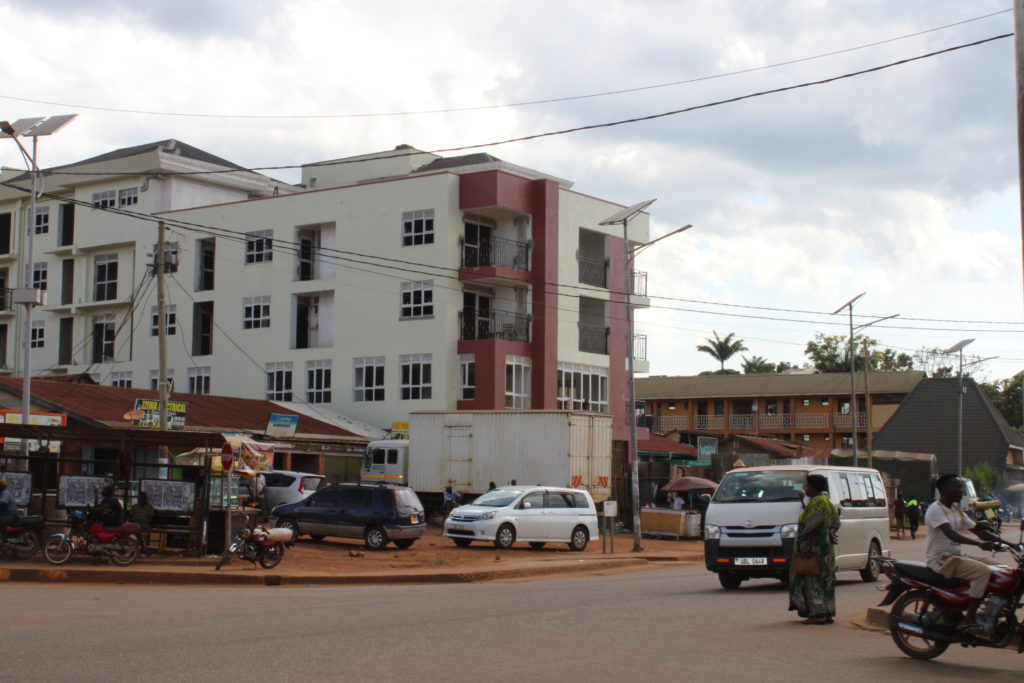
point(24, 537)
point(927, 607)
point(85, 535)
point(257, 544)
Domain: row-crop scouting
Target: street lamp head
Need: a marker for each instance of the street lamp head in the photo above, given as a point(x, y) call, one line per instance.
point(849, 303)
point(6, 128)
point(627, 213)
point(959, 345)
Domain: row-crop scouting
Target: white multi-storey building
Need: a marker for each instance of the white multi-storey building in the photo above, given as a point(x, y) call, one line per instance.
point(383, 284)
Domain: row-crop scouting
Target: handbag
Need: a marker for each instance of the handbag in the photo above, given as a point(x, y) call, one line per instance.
point(806, 564)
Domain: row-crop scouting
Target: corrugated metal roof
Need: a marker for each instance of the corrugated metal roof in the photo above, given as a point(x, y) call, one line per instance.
point(455, 162)
point(737, 386)
point(786, 449)
point(103, 405)
point(659, 444)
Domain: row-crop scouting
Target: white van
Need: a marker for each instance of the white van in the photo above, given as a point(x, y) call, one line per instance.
point(751, 521)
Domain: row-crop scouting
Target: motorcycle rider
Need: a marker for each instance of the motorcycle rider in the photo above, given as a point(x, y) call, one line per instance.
point(451, 499)
point(8, 510)
point(109, 511)
point(944, 523)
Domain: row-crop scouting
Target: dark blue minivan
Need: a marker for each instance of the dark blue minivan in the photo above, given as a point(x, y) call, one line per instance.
point(377, 513)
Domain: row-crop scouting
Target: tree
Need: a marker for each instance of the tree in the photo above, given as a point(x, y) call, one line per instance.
point(722, 348)
point(1005, 395)
point(889, 360)
point(986, 479)
point(934, 362)
point(723, 371)
point(831, 352)
point(783, 366)
point(756, 365)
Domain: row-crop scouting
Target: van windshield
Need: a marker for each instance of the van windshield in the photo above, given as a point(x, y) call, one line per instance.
point(761, 487)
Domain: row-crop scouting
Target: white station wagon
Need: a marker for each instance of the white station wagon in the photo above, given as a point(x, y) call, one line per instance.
point(534, 514)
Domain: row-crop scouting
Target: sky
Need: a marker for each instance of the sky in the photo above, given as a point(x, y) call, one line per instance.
point(901, 183)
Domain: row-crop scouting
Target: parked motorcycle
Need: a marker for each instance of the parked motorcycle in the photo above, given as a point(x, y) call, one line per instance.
point(927, 607)
point(257, 544)
point(85, 535)
point(24, 537)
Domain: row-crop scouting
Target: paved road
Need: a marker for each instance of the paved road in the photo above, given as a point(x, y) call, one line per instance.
point(665, 623)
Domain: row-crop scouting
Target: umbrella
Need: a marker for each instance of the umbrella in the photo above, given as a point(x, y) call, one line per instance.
point(684, 484)
point(1016, 487)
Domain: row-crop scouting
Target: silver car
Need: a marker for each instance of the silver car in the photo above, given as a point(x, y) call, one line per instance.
point(282, 486)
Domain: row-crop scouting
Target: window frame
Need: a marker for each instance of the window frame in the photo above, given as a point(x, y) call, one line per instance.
point(259, 247)
point(37, 335)
point(372, 368)
point(415, 378)
point(279, 381)
point(425, 232)
point(40, 275)
point(41, 224)
point(199, 379)
point(467, 377)
point(129, 196)
point(107, 199)
point(255, 312)
point(171, 322)
point(518, 369)
point(105, 286)
point(410, 308)
point(319, 376)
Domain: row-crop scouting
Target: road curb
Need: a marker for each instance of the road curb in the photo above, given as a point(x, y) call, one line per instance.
point(235, 577)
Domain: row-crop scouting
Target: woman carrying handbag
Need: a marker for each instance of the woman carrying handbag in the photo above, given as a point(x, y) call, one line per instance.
point(812, 577)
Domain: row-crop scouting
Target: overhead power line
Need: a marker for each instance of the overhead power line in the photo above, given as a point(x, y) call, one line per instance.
point(505, 105)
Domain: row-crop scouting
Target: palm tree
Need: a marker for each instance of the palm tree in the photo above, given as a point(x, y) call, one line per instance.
point(756, 365)
point(722, 349)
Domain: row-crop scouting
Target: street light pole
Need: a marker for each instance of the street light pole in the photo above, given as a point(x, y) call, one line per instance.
point(959, 346)
point(34, 128)
point(853, 379)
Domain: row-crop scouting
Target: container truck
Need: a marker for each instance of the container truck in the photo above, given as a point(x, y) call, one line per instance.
point(468, 450)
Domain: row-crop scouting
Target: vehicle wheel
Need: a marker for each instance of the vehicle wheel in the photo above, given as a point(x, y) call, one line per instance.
point(870, 572)
point(404, 543)
point(288, 523)
point(225, 558)
point(315, 537)
point(462, 542)
point(32, 541)
point(911, 608)
point(57, 550)
point(579, 539)
point(272, 556)
point(730, 582)
point(376, 538)
point(128, 553)
point(536, 545)
point(505, 537)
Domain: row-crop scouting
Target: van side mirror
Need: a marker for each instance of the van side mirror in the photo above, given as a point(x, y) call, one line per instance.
point(704, 499)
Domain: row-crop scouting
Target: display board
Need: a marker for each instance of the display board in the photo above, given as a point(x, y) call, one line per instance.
point(20, 486)
point(170, 497)
point(78, 492)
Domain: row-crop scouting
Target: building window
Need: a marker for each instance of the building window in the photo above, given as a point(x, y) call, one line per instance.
point(672, 405)
point(806, 403)
point(202, 328)
point(206, 254)
point(5, 232)
point(199, 380)
point(121, 379)
point(418, 227)
point(103, 333)
point(171, 321)
point(807, 437)
point(719, 408)
point(37, 334)
point(259, 246)
point(467, 377)
point(368, 380)
point(105, 273)
point(517, 381)
point(255, 312)
point(824, 401)
point(771, 407)
point(104, 200)
point(318, 381)
point(42, 220)
point(128, 197)
point(154, 380)
point(583, 387)
point(415, 376)
point(417, 299)
point(39, 276)
point(279, 381)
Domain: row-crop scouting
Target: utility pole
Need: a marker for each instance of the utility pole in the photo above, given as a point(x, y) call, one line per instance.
point(1018, 39)
point(161, 300)
point(867, 398)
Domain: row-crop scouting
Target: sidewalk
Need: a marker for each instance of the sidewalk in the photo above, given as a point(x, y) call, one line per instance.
point(433, 559)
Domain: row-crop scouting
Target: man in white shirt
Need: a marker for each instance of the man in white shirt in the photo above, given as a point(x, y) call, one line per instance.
point(944, 523)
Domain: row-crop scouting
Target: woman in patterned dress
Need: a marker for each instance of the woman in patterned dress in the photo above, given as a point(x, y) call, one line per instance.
point(814, 597)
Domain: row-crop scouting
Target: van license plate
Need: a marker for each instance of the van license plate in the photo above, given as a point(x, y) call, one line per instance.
point(751, 561)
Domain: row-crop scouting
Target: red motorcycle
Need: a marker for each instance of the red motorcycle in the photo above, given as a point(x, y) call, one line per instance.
point(120, 543)
point(24, 537)
point(927, 607)
point(257, 544)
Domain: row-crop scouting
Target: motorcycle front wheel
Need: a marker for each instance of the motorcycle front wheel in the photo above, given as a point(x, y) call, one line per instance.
point(225, 557)
point(913, 608)
point(272, 556)
point(31, 542)
point(57, 550)
point(126, 553)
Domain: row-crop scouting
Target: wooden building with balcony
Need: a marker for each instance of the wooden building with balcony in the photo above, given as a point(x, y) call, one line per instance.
point(809, 409)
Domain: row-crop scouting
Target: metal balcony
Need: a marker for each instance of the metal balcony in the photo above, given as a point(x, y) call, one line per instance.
point(492, 324)
point(593, 271)
point(496, 251)
point(593, 339)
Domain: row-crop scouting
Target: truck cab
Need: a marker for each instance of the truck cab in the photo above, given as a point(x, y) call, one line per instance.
point(386, 462)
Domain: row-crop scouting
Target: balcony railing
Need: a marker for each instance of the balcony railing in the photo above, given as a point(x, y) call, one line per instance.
point(640, 347)
point(709, 422)
point(639, 282)
point(593, 271)
point(496, 251)
point(491, 324)
point(593, 339)
point(812, 421)
point(774, 421)
point(667, 423)
point(842, 420)
point(741, 421)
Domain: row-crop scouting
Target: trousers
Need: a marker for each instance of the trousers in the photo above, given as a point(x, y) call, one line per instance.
point(976, 571)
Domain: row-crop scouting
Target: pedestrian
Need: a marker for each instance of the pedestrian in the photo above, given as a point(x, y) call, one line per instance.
point(512, 483)
point(491, 486)
point(677, 504)
point(8, 509)
point(814, 597)
point(899, 510)
point(913, 517)
point(142, 514)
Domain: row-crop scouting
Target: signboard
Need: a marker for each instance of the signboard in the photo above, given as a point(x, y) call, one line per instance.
point(13, 417)
point(706, 447)
point(282, 425)
point(399, 430)
point(166, 496)
point(79, 492)
point(611, 508)
point(20, 486)
point(150, 418)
